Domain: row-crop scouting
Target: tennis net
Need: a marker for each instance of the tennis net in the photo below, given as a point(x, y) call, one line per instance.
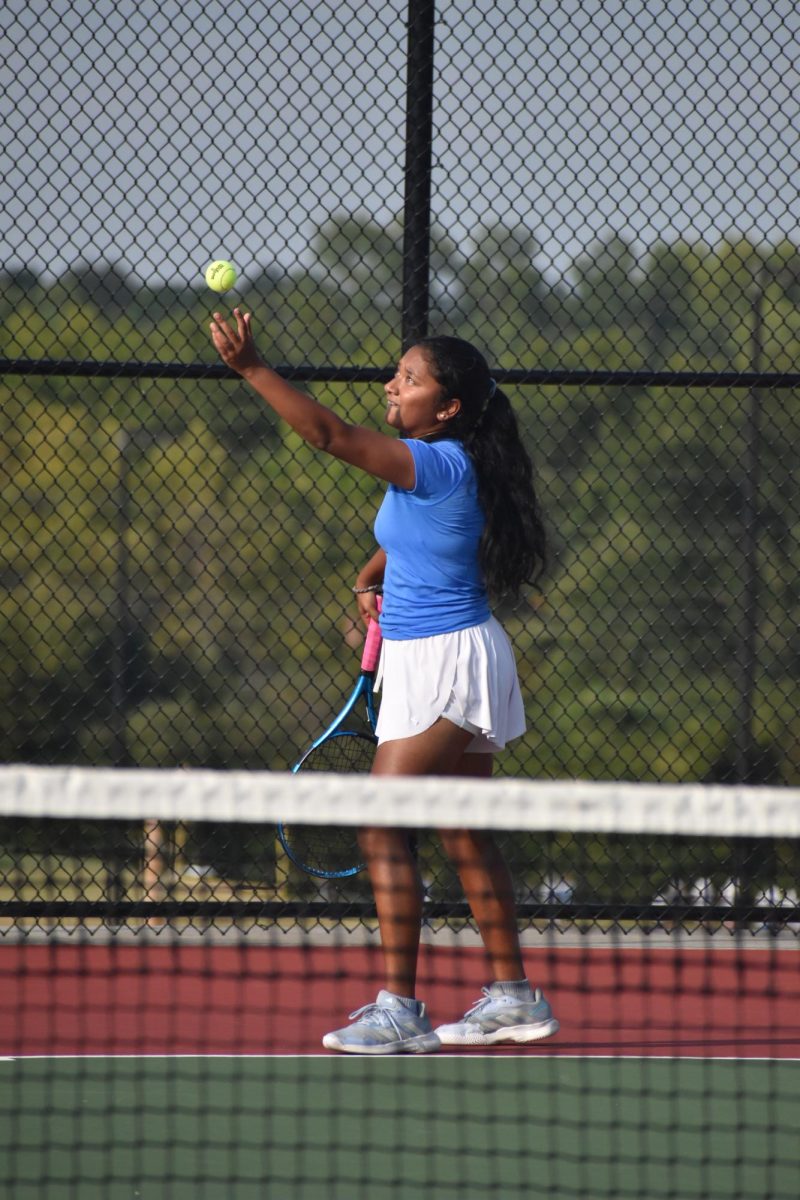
point(167, 976)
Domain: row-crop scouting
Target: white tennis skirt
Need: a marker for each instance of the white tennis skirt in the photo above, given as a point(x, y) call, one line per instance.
point(469, 676)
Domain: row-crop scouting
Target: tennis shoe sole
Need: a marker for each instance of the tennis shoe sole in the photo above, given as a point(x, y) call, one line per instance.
point(467, 1033)
point(424, 1044)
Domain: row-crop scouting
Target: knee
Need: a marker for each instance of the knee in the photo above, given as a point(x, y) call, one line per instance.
point(459, 843)
point(451, 840)
point(465, 846)
point(377, 843)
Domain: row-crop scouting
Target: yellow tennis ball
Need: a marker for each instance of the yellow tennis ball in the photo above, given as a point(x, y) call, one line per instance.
point(220, 275)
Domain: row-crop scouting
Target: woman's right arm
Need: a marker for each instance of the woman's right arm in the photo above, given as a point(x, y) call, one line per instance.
point(376, 453)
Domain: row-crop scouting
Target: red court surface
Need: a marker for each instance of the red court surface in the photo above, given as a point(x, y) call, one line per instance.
point(253, 999)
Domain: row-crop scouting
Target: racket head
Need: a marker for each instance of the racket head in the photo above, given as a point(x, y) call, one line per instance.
point(345, 751)
point(330, 851)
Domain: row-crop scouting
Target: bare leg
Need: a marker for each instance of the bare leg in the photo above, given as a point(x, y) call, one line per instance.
point(392, 869)
point(488, 888)
point(487, 884)
point(397, 887)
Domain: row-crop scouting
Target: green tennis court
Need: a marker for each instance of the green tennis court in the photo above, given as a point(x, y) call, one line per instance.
point(158, 1072)
point(393, 1129)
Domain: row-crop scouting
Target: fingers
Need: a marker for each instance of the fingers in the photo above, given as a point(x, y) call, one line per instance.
point(242, 323)
point(233, 340)
point(227, 340)
point(220, 331)
point(368, 610)
point(233, 335)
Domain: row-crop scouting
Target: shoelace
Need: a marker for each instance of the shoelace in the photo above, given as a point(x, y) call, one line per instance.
point(488, 998)
point(376, 1014)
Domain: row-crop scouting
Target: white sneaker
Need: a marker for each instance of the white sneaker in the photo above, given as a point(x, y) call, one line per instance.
point(499, 1017)
point(386, 1027)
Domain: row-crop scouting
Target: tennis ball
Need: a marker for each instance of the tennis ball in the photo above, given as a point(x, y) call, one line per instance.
point(220, 275)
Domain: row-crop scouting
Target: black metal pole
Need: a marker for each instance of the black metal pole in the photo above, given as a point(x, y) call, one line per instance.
point(121, 633)
point(114, 854)
point(418, 162)
point(749, 855)
point(748, 635)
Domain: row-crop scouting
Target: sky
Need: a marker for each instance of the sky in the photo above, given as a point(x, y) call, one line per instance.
point(164, 134)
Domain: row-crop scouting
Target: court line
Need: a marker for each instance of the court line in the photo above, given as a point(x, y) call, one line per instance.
point(340, 1058)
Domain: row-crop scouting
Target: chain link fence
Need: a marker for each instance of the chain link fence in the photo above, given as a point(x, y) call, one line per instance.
point(601, 195)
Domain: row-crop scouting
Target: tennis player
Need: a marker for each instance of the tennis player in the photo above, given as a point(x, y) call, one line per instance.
point(459, 523)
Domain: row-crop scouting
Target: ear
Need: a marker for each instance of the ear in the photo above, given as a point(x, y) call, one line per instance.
point(449, 410)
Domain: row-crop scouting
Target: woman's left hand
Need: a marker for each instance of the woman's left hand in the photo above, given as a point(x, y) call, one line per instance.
point(234, 342)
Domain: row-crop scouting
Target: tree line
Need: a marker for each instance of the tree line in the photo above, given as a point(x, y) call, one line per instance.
point(176, 568)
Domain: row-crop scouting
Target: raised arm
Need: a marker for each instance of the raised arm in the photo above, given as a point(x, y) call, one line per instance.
point(376, 453)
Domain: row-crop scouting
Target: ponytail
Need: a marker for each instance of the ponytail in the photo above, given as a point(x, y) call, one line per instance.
point(513, 546)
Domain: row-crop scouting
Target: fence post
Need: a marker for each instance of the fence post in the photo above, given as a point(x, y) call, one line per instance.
point(748, 629)
point(418, 156)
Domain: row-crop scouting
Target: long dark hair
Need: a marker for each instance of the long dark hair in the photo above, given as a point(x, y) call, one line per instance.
point(513, 547)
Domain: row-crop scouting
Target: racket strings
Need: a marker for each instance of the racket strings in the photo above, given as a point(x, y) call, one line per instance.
point(331, 851)
point(346, 752)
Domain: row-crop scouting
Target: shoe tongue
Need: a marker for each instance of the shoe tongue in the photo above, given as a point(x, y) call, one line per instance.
point(390, 1000)
point(517, 990)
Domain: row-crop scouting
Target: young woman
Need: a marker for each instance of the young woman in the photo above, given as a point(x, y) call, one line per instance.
point(459, 523)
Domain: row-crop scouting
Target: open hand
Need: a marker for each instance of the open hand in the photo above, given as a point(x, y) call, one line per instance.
point(233, 340)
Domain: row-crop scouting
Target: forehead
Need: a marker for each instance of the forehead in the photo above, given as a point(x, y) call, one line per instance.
point(416, 361)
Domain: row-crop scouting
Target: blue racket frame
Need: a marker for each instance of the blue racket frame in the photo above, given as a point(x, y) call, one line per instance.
point(364, 688)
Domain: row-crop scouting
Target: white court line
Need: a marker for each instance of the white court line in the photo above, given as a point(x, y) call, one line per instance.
point(355, 1058)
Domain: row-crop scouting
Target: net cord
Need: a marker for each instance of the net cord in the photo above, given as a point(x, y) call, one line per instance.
point(580, 806)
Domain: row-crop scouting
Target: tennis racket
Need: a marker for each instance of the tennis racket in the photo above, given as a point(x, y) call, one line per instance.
point(332, 852)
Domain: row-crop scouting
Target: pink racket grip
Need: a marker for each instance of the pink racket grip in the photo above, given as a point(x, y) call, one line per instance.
point(372, 644)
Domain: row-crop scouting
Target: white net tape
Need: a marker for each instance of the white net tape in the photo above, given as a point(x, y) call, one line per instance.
point(503, 803)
